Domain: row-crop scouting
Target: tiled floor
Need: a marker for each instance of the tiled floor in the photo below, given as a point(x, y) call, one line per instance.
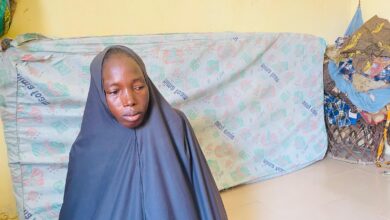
point(327, 190)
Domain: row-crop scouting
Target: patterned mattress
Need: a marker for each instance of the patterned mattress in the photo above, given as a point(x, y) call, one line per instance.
point(255, 101)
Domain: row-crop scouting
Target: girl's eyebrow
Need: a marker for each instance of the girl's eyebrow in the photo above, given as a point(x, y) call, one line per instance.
point(140, 79)
point(111, 86)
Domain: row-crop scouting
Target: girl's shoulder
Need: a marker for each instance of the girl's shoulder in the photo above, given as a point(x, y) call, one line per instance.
point(181, 114)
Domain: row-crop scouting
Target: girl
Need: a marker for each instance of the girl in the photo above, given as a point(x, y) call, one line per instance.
point(135, 156)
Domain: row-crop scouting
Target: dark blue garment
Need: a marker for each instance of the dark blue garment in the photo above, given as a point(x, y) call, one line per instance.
point(156, 171)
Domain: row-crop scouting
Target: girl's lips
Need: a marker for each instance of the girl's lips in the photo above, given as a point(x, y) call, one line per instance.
point(132, 118)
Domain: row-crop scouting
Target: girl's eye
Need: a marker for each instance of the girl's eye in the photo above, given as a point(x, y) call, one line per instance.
point(114, 92)
point(138, 88)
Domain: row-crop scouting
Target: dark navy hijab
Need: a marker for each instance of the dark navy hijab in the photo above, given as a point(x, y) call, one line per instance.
point(155, 171)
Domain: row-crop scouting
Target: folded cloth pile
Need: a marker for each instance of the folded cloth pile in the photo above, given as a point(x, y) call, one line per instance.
point(360, 67)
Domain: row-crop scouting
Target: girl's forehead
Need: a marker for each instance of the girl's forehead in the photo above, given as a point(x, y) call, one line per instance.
point(120, 68)
point(119, 56)
point(114, 63)
point(123, 61)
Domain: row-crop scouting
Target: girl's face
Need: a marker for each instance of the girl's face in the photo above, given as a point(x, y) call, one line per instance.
point(127, 93)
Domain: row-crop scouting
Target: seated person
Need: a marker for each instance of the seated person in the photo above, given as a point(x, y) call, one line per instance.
point(135, 156)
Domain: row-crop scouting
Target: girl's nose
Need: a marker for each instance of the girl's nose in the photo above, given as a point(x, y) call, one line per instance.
point(128, 98)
